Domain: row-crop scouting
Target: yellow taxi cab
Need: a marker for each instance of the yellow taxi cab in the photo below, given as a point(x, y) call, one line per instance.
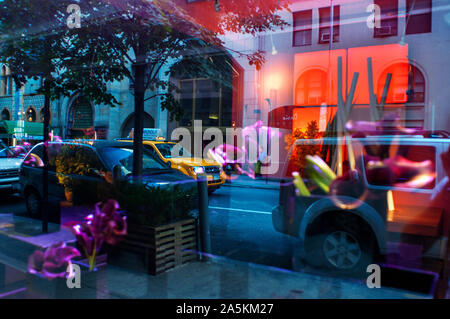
point(187, 164)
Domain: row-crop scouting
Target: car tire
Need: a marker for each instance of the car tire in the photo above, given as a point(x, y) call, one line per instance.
point(211, 190)
point(33, 203)
point(340, 251)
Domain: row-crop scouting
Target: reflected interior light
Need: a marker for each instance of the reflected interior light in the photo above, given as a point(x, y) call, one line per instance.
point(419, 181)
point(274, 81)
point(390, 201)
point(274, 50)
point(391, 206)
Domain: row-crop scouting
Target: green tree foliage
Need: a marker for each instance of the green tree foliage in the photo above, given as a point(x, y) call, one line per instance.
point(142, 41)
point(36, 42)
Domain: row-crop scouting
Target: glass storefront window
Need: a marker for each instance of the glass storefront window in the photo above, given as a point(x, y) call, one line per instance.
point(312, 139)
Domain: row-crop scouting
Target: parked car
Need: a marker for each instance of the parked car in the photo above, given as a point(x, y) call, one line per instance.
point(376, 212)
point(185, 163)
point(9, 168)
point(83, 166)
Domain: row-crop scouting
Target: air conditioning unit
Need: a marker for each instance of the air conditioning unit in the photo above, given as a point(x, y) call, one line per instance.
point(325, 37)
point(386, 30)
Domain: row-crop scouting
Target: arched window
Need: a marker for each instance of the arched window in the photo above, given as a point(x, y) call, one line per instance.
point(81, 117)
point(10, 85)
point(30, 114)
point(128, 124)
point(6, 115)
point(311, 88)
point(406, 92)
point(3, 80)
point(41, 115)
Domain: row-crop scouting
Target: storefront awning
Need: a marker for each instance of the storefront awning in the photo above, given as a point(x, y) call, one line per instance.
point(22, 130)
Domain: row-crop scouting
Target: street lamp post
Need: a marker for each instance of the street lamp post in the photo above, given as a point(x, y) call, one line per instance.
point(45, 171)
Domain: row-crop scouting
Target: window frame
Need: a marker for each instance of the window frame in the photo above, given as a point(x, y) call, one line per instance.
point(325, 23)
point(415, 100)
point(406, 143)
point(303, 28)
point(6, 110)
point(194, 107)
point(413, 15)
point(31, 108)
point(385, 21)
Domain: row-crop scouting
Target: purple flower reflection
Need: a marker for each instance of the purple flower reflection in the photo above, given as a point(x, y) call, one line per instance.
point(105, 225)
point(53, 262)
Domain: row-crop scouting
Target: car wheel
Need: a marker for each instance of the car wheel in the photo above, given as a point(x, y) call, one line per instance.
point(211, 190)
point(341, 251)
point(33, 202)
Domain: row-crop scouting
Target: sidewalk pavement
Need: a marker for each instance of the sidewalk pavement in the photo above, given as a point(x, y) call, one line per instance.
point(218, 277)
point(249, 182)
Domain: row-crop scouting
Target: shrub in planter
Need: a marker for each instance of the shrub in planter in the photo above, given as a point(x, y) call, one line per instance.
point(155, 206)
point(74, 167)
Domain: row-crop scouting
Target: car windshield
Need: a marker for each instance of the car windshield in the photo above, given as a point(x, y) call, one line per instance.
point(124, 157)
point(166, 150)
point(9, 152)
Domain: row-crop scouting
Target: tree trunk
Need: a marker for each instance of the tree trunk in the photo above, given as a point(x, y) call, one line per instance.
point(139, 92)
point(44, 205)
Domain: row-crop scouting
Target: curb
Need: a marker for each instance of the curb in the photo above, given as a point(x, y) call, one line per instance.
point(250, 186)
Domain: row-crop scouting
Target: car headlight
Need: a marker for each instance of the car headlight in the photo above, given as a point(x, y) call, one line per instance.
point(198, 170)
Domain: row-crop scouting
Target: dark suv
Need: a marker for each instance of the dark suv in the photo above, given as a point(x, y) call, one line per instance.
point(87, 166)
point(377, 212)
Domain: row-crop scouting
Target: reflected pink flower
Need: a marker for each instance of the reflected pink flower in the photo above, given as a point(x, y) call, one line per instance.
point(361, 126)
point(406, 169)
point(400, 172)
point(30, 161)
point(227, 154)
point(53, 262)
point(389, 123)
point(105, 225)
point(17, 151)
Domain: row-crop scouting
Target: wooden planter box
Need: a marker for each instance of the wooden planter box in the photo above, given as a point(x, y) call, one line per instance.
point(163, 247)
